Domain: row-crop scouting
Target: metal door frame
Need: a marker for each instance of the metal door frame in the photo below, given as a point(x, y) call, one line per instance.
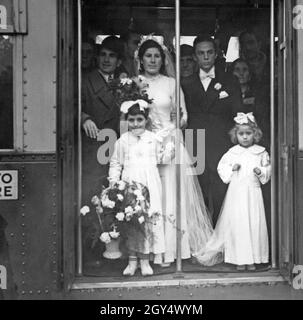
point(275, 152)
point(286, 138)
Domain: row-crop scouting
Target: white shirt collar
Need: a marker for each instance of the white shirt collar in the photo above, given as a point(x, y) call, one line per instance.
point(210, 73)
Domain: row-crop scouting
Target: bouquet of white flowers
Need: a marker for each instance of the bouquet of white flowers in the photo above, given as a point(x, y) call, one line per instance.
point(119, 206)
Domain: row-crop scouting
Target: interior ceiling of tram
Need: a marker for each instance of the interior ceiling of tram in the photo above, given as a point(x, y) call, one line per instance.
point(148, 16)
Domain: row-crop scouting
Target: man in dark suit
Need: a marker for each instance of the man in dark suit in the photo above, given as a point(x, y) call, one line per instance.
point(99, 111)
point(212, 99)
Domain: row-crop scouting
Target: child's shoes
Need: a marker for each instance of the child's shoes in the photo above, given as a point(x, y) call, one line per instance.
point(130, 270)
point(165, 265)
point(146, 269)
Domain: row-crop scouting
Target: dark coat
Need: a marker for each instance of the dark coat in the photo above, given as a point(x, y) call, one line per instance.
point(206, 110)
point(98, 105)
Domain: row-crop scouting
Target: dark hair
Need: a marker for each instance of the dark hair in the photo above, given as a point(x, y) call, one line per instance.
point(239, 60)
point(186, 50)
point(114, 44)
point(135, 110)
point(151, 44)
point(247, 32)
point(204, 38)
point(253, 125)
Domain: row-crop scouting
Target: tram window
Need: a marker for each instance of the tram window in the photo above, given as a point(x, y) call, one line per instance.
point(6, 92)
point(101, 37)
point(232, 50)
point(185, 40)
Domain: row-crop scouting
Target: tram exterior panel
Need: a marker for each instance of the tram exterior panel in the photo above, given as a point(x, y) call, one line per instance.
point(37, 220)
point(33, 226)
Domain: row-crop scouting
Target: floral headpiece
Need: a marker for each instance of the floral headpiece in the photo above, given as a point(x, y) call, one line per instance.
point(150, 37)
point(129, 92)
point(244, 118)
point(169, 65)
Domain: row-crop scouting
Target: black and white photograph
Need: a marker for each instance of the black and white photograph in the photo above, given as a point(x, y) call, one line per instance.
point(151, 154)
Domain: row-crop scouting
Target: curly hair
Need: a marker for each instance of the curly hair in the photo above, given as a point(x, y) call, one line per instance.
point(135, 110)
point(147, 45)
point(253, 125)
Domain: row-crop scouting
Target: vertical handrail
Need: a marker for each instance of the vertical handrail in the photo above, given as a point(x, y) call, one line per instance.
point(272, 143)
point(177, 104)
point(79, 225)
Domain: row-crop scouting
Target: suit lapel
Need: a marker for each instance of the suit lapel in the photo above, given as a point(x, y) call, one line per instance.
point(101, 88)
point(212, 93)
point(200, 88)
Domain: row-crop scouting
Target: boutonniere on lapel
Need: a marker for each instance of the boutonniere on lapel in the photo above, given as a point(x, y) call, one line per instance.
point(222, 93)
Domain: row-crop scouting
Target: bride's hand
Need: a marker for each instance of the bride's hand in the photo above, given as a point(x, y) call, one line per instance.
point(183, 124)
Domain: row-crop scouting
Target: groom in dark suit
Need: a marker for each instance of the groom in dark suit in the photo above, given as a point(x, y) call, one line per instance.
point(99, 111)
point(212, 99)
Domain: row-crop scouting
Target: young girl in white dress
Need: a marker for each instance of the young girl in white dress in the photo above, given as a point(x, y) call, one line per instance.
point(135, 158)
point(241, 236)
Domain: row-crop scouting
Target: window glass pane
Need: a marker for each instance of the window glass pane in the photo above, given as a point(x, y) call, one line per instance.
point(211, 105)
point(218, 88)
point(102, 58)
point(6, 92)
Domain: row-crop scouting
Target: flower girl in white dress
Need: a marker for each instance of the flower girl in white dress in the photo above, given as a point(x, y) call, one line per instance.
point(135, 158)
point(241, 236)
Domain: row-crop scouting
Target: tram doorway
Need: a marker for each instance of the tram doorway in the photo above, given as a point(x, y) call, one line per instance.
point(226, 23)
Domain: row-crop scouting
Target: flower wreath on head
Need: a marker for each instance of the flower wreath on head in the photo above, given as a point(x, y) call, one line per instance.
point(169, 65)
point(129, 92)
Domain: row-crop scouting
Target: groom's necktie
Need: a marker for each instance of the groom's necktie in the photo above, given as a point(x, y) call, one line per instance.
point(110, 78)
point(206, 77)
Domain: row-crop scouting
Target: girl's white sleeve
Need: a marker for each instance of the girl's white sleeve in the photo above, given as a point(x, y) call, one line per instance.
point(265, 168)
point(225, 168)
point(116, 162)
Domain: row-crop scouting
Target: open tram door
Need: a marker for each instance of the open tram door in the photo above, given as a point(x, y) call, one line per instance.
point(282, 121)
point(286, 133)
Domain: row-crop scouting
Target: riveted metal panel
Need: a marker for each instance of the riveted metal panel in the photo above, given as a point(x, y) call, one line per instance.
point(39, 77)
point(13, 16)
point(32, 230)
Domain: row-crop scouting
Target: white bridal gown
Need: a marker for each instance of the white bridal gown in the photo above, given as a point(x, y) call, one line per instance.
point(196, 227)
point(241, 235)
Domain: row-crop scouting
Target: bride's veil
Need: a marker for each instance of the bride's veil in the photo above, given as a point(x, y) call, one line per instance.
point(170, 69)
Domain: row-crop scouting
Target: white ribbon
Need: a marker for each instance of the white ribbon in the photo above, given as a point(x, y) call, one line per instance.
point(243, 118)
point(128, 104)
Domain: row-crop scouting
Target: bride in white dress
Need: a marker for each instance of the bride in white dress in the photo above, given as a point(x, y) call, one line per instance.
point(196, 227)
